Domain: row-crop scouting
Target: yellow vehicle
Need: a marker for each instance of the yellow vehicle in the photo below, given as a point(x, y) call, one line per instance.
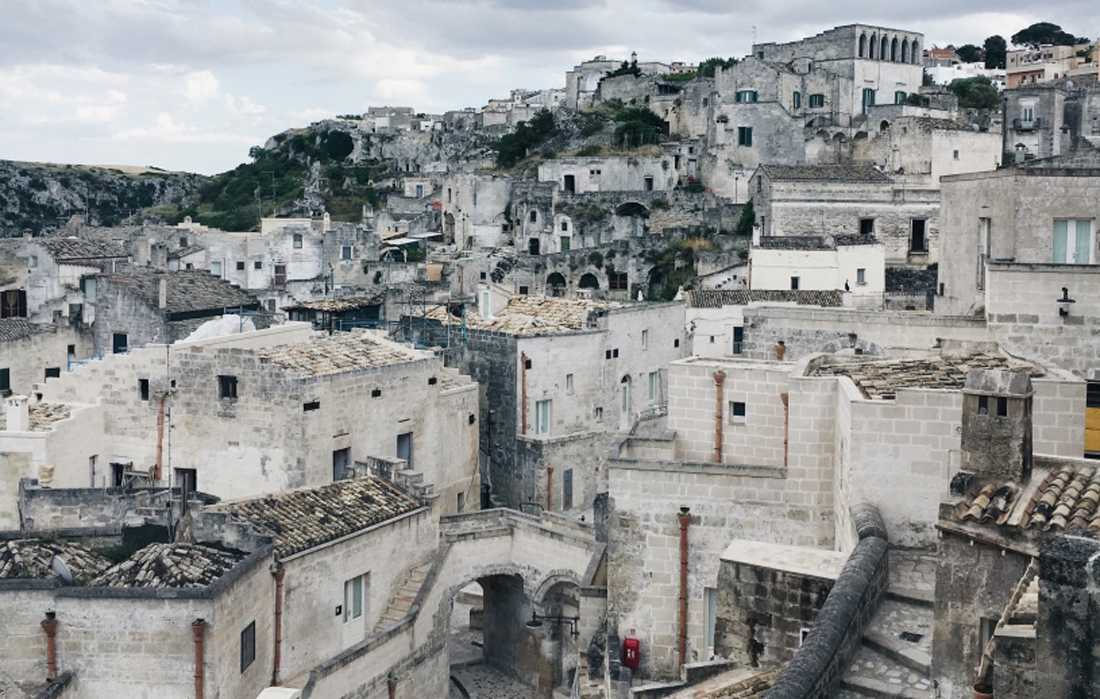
point(1092, 420)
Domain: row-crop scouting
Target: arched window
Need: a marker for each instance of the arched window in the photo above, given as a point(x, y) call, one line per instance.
point(862, 45)
point(884, 49)
point(894, 49)
point(914, 53)
point(874, 46)
point(905, 51)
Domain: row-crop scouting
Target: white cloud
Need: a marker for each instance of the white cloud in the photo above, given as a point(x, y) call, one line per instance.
point(199, 87)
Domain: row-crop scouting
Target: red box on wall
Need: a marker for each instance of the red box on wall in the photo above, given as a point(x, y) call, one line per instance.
point(631, 653)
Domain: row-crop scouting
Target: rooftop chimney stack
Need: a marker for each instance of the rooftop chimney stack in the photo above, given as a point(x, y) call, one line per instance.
point(18, 414)
point(996, 424)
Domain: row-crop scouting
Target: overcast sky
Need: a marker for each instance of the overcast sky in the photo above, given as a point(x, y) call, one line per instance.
point(192, 84)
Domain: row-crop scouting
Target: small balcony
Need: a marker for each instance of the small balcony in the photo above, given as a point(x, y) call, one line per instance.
point(1026, 124)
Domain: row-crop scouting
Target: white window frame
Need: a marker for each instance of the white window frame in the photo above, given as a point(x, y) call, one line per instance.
point(738, 419)
point(355, 597)
point(861, 276)
point(569, 383)
point(654, 386)
point(1074, 249)
point(543, 414)
point(347, 252)
point(645, 339)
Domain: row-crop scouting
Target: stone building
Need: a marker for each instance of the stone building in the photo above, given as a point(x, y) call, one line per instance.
point(32, 352)
point(846, 200)
point(558, 377)
point(854, 264)
point(474, 210)
point(251, 413)
point(715, 317)
point(1050, 119)
point(1012, 615)
point(1020, 247)
point(142, 306)
point(780, 453)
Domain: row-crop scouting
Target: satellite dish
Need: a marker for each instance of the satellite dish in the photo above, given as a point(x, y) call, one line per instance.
point(61, 570)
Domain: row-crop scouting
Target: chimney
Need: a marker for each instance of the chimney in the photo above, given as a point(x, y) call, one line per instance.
point(162, 292)
point(996, 424)
point(18, 414)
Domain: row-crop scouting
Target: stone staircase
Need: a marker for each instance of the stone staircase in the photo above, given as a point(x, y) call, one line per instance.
point(895, 659)
point(402, 600)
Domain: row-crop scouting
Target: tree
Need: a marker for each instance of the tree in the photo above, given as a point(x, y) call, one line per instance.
point(706, 68)
point(1045, 33)
point(626, 69)
point(747, 220)
point(975, 93)
point(996, 49)
point(969, 53)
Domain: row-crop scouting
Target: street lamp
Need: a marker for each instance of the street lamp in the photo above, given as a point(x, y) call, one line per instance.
point(537, 619)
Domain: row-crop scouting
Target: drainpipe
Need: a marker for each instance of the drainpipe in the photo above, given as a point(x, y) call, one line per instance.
point(685, 519)
point(279, 572)
point(391, 685)
point(719, 380)
point(523, 388)
point(198, 629)
point(786, 398)
point(49, 625)
point(549, 488)
point(160, 437)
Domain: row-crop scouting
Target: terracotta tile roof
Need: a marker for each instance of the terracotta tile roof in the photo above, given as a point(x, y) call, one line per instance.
point(184, 252)
point(716, 298)
point(19, 328)
point(335, 354)
point(70, 248)
point(187, 290)
point(880, 380)
point(530, 315)
point(308, 517)
point(170, 565)
point(44, 415)
point(30, 558)
point(1067, 498)
point(824, 173)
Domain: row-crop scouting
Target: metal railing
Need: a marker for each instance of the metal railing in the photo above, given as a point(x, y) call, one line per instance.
point(1026, 124)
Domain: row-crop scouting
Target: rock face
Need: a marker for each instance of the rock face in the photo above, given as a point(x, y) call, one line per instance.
point(41, 197)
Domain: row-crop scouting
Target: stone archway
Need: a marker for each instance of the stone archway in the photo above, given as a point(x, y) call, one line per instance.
point(556, 284)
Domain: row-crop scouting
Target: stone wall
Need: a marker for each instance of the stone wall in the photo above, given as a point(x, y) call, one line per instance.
point(28, 358)
point(47, 509)
point(819, 664)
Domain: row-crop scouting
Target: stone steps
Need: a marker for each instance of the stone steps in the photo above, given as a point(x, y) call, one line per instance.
point(921, 598)
point(895, 659)
point(877, 676)
point(403, 599)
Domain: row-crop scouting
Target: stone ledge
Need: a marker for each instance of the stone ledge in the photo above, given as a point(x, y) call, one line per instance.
point(898, 651)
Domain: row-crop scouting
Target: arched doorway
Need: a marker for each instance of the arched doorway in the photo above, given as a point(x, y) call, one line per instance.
point(589, 281)
point(631, 219)
point(555, 284)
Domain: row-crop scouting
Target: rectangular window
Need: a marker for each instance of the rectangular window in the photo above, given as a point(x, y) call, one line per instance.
point(868, 98)
point(297, 241)
point(1002, 407)
point(542, 417)
point(53, 372)
point(918, 239)
point(617, 281)
point(143, 388)
point(796, 100)
point(227, 387)
point(341, 459)
point(654, 386)
point(568, 383)
point(985, 227)
point(711, 595)
point(867, 226)
point(355, 597)
point(817, 101)
point(567, 489)
point(5, 382)
point(13, 304)
point(744, 135)
point(120, 343)
point(523, 290)
point(460, 505)
point(746, 96)
point(648, 184)
point(216, 268)
point(240, 265)
point(345, 252)
point(1073, 242)
point(737, 413)
point(795, 281)
point(738, 338)
point(258, 265)
point(187, 479)
point(599, 414)
point(248, 646)
point(565, 243)
point(899, 97)
point(861, 276)
point(405, 448)
point(533, 216)
point(280, 276)
point(645, 339)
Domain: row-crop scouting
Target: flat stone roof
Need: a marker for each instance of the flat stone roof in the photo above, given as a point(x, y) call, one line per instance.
point(339, 353)
point(816, 563)
point(717, 298)
point(44, 415)
point(881, 380)
point(530, 315)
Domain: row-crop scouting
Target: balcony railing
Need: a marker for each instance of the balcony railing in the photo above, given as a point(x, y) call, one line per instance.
point(1026, 124)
